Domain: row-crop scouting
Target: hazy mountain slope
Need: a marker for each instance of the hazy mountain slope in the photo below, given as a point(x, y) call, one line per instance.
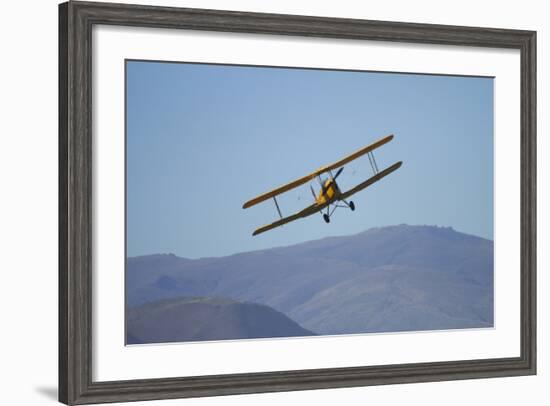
point(395, 298)
point(200, 319)
point(385, 279)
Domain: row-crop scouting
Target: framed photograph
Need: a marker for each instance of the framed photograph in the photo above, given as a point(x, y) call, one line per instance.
point(258, 202)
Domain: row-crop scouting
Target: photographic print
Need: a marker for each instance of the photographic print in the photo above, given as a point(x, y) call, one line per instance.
point(276, 202)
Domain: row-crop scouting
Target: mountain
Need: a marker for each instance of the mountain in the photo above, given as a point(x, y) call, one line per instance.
point(395, 278)
point(201, 319)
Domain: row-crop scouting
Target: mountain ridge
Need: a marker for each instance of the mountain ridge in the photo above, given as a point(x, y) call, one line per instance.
point(319, 240)
point(206, 319)
point(391, 278)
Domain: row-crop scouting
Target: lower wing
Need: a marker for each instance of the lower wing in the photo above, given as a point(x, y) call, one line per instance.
point(308, 211)
point(372, 180)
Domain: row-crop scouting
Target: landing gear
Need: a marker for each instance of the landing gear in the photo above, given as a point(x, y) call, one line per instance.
point(335, 205)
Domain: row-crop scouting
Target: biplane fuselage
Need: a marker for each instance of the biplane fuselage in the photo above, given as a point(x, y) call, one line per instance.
point(329, 192)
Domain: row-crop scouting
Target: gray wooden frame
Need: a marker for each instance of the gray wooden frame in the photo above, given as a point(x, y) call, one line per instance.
point(75, 179)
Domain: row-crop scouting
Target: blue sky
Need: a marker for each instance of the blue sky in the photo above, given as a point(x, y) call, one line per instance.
point(203, 139)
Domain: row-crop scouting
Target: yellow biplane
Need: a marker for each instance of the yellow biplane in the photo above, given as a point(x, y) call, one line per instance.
point(329, 194)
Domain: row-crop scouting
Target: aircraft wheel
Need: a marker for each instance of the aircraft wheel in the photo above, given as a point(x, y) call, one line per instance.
point(352, 206)
point(326, 217)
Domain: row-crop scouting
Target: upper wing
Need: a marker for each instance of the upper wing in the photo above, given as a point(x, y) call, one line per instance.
point(279, 190)
point(370, 181)
point(356, 154)
point(307, 178)
point(308, 211)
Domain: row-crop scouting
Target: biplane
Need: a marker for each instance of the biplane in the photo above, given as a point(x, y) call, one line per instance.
point(329, 197)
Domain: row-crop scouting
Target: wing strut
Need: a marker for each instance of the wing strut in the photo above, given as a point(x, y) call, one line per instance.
point(372, 161)
point(277, 205)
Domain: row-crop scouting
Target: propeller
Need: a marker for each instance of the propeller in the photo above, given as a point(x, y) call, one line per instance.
point(338, 173)
point(312, 192)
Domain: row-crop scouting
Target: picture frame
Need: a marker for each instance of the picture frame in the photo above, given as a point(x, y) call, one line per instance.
point(76, 351)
